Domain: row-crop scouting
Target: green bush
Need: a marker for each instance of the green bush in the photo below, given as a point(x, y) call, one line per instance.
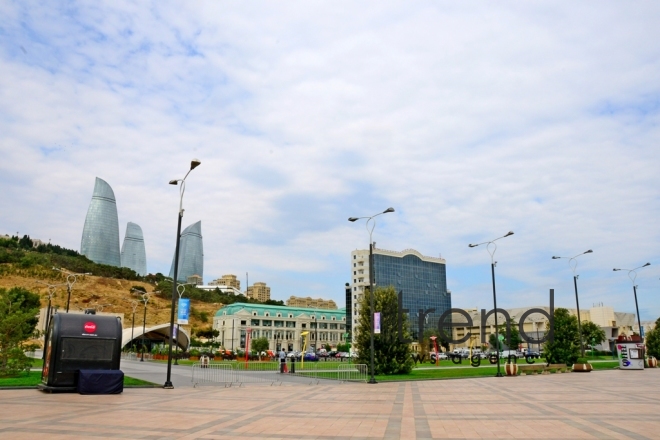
point(581, 361)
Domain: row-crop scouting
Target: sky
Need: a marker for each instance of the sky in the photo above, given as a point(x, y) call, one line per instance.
point(469, 119)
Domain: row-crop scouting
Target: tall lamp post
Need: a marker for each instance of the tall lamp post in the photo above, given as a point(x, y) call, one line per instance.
point(51, 292)
point(573, 263)
point(491, 247)
point(632, 274)
point(370, 230)
point(145, 300)
point(71, 279)
point(182, 188)
point(134, 306)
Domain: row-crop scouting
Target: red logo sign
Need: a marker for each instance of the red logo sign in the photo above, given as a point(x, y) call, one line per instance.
point(90, 327)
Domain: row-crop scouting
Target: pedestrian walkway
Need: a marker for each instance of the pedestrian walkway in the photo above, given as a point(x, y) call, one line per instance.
point(597, 405)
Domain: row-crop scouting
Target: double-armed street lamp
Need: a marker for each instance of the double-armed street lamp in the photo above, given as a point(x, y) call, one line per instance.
point(71, 279)
point(632, 274)
point(51, 292)
point(370, 229)
point(145, 300)
point(182, 188)
point(491, 247)
point(134, 306)
point(180, 289)
point(572, 261)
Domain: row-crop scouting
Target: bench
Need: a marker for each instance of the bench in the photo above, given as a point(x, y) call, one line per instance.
point(543, 368)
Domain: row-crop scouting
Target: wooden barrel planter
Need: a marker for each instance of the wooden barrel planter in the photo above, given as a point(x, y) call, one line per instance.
point(511, 369)
point(652, 362)
point(584, 368)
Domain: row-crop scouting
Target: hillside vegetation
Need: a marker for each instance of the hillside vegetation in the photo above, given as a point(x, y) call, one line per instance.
point(108, 289)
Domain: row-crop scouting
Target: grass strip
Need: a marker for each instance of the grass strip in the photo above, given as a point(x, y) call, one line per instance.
point(34, 378)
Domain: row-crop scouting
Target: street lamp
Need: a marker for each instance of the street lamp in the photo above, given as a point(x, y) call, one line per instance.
point(145, 300)
point(71, 279)
point(182, 188)
point(573, 263)
point(371, 278)
point(134, 305)
point(491, 251)
point(51, 292)
point(632, 274)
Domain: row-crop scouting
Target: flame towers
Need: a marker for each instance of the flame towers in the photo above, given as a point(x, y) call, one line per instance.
point(100, 238)
point(191, 253)
point(133, 254)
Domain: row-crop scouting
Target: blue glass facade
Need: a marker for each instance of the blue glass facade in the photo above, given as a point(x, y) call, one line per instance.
point(133, 254)
point(191, 253)
point(100, 238)
point(423, 283)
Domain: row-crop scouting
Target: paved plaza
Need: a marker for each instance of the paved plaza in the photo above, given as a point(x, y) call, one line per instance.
point(597, 405)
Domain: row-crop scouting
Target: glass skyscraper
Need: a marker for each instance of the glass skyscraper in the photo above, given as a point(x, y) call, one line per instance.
point(100, 238)
point(133, 254)
point(422, 281)
point(191, 253)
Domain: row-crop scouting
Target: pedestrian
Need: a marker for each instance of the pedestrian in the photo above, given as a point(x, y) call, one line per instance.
point(282, 360)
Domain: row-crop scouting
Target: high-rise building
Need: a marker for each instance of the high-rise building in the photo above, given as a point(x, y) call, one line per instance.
point(259, 291)
point(422, 281)
point(313, 303)
point(133, 254)
point(227, 280)
point(191, 254)
point(100, 238)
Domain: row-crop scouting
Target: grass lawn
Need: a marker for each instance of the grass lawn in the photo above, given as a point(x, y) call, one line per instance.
point(34, 378)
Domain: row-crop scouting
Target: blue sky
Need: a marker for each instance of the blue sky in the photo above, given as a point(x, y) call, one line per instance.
point(470, 120)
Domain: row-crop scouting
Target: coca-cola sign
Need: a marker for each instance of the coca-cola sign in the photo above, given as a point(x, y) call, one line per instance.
point(90, 327)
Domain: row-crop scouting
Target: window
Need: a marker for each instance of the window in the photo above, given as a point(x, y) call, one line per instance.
point(304, 325)
point(291, 324)
point(279, 315)
point(354, 264)
point(323, 325)
point(267, 323)
point(254, 313)
point(354, 257)
point(333, 318)
point(323, 317)
point(355, 273)
point(254, 322)
point(333, 326)
point(266, 314)
point(290, 315)
point(243, 322)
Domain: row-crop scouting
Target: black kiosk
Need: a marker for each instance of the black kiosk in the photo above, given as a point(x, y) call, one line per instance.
point(83, 352)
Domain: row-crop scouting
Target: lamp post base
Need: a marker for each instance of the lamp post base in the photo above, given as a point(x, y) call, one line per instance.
point(499, 375)
point(372, 380)
point(168, 385)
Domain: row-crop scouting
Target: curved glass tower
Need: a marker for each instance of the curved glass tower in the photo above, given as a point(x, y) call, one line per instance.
point(133, 254)
point(100, 238)
point(191, 253)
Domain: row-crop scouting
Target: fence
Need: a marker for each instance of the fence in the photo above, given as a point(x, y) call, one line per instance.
point(129, 356)
point(340, 372)
point(230, 373)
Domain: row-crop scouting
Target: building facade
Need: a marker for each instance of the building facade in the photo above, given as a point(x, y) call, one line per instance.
point(227, 280)
point(259, 291)
point(191, 254)
point(133, 253)
point(100, 237)
point(422, 281)
point(283, 326)
point(313, 303)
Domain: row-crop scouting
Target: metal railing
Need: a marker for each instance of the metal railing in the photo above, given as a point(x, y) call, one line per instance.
point(235, 373)
point(341, 372)
point(136, 356)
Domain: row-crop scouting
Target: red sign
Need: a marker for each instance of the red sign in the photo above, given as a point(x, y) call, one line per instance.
point(90, 327)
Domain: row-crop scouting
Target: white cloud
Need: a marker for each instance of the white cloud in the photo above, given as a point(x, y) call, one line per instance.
point(469, 120)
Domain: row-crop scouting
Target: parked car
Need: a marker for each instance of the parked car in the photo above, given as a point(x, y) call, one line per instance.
point(440, 356)
point(311, 357)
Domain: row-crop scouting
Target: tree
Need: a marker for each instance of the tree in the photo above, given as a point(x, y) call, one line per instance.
point(592, 334)
point(18, 319)
point(391, 356)
point(259, 345)
point(565, 348)
point(652, 340)
point(514, 340)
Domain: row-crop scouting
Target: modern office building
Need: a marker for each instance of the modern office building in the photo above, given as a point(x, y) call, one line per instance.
point(313, 303)
point(281, 325)
point(100, 237)
point(259, 291)
point(422, 281)
point(227, 280)
point(191, 254)
point(133, 254)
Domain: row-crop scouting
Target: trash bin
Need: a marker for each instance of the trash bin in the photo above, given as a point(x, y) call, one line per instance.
point(293, 365)
point(631, 353)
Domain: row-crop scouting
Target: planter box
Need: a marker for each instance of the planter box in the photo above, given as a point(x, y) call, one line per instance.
point(652, 362)
point(511, 369)
point(584, 368)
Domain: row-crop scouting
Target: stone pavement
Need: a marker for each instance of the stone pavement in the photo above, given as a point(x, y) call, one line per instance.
point(597, 405)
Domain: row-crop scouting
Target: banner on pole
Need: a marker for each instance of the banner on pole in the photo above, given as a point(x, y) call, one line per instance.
point(377, 323)
point(183, 311)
